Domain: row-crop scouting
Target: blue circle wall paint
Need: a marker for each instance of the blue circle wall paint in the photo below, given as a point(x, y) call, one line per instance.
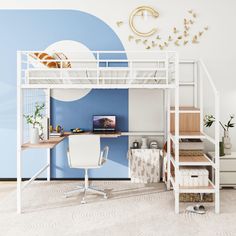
point(35, 30)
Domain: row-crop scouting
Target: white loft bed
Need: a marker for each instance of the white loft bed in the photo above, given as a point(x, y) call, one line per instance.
point(108, 70)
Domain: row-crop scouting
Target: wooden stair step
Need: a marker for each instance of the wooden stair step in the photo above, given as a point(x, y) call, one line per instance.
point(186, 109)
point(189, 134)
point(193, 159)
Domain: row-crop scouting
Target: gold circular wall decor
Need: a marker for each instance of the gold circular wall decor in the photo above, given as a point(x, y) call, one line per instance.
point(140, 10)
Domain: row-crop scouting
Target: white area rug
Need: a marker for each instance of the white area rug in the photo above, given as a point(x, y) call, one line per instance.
point(132, 210)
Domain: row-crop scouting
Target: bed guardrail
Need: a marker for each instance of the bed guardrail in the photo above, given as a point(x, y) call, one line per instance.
point(97, 68)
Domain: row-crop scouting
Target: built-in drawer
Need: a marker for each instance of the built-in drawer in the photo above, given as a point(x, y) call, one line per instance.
point(228, 178)
point(227, 165)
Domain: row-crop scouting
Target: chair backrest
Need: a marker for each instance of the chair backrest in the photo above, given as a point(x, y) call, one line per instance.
point(84, 151)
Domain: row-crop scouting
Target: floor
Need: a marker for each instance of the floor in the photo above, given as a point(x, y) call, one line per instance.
point(132, 210)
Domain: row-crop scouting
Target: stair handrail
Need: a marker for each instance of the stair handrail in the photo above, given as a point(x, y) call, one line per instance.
point(216, 100)
point(209, 77)
point(215, 140)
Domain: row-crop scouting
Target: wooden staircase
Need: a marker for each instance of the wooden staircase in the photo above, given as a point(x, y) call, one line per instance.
point(189, 128)
point(189, 119)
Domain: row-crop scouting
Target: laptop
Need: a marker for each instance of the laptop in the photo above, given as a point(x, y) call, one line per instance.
point(104, 124)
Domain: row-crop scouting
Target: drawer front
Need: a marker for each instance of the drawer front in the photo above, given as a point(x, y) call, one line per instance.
point(228, 165)
point(228, 178)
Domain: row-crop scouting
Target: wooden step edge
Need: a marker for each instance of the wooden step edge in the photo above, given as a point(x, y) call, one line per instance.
point(189, 134)
point(186, 109)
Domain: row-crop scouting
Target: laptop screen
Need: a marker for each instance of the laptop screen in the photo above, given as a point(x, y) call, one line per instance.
point(104, 123)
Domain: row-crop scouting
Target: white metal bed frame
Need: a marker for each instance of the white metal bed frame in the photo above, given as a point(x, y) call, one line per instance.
point(169, 81)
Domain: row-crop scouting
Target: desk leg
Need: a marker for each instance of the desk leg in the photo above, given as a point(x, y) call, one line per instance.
point(49, 164)
point(19, 189)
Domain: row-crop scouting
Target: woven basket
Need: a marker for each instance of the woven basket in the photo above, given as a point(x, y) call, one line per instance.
point(196, 197)
point(189, 153)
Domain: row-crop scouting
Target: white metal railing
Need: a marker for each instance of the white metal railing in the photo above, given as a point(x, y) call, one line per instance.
point(141, 68)
point(215, 139)
point(203, 68)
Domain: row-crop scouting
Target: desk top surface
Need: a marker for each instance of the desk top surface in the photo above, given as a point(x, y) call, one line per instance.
point(50, 143)
point(53, 141)
point(103, 135)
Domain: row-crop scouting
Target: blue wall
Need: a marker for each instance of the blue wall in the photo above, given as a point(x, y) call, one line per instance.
point(35, 30)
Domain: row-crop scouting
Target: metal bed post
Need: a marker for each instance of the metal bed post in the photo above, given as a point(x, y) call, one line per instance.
point(168, 137)
point(195, 82)
point(19, 133)
point(200, 98)
point(98, 65)
point(164, 97)
point(177, 134)
point(47, 92)
point(214, 140)
point(217, 161)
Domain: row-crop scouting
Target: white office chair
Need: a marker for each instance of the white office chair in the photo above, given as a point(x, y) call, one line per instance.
point(84, 153)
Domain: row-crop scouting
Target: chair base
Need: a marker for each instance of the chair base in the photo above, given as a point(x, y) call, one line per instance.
point(80, 189)
point(86, 188)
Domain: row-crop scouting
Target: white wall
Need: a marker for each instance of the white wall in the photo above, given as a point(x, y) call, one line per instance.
point(217, 48)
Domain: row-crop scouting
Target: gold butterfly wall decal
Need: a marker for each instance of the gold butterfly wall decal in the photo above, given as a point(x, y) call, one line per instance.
point(179, 37)
point(186, 34)
point(177, 43)
point(185, 42)
point(145, 41)
point(186, 22)
point(186, 28)
point(200, 33)
point(154, 44)
point(195, 39)
point(130, 37)
point(175, 30)
point(119, 23)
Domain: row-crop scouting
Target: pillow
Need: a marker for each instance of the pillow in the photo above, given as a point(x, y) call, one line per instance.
point(45, 56)
point(61, 56)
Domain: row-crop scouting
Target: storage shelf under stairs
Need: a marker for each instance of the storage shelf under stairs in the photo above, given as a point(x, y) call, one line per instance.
point(200, 160)
point(194, 189)
point(189, 129)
